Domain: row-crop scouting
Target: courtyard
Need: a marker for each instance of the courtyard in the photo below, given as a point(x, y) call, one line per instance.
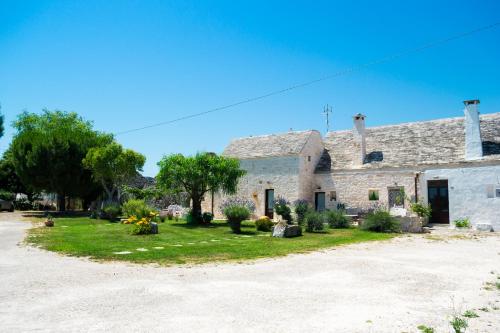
point(382, 286)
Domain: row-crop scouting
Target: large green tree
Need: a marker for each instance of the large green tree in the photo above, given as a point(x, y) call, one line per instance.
point(1, 123)
point(9, 180)
point(199, 174)
point(113, 167)
point(48, 150)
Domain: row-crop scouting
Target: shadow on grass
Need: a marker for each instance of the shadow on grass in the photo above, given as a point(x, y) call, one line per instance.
point(218, 225)
point(45, 213)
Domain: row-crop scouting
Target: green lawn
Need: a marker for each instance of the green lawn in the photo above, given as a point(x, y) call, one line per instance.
point(178, 243)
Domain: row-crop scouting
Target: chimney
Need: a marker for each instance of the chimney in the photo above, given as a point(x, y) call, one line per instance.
point(360, 138)
point(473, 142)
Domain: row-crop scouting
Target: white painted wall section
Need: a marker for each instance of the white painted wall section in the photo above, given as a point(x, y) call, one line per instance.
point(473, 193)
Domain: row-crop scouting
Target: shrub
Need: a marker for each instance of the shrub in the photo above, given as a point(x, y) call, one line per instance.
point(425, 329)
point(263, 223)
point(142, 227)
point(337, 219)
point(137, 208)
point(23, 204)
point(470, 314)
point(7, 196)
point(421, 209)
point(381, 221)
point(282, 208)
point(237, 210)
point(112, 211)
point(314, 221)
point(301, 209)
point(462, 223)
point(207, 217)
point(458, 324)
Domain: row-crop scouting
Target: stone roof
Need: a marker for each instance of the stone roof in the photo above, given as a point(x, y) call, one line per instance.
point(432, 142)
point(273, 145)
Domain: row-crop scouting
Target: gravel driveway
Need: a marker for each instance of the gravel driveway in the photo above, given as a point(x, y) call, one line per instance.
point(391, 286)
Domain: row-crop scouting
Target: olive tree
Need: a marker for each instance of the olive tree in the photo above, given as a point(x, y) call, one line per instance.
point(112, 166)
point(196, 175)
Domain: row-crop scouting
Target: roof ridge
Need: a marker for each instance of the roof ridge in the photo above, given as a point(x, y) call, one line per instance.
point(274, 134)
point(450, 119)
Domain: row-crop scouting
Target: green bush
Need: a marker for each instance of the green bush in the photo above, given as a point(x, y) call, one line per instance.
point(458, 324)
point(425, 329)
point(282, 208)
point(112, 210)
point(462, 223)
point(235, 215)
point(381, 221)
point(263, 223)
point(301, 209)
point(207, 217)
point(7, 196)
point(137, 208)
point(314, 221)
point(421, 209)
point(141, 229)
point(237, 210)
point(24, 204)
point(337, 219)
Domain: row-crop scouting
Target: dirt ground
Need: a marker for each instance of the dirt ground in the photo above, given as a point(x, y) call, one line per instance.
point(391, 286)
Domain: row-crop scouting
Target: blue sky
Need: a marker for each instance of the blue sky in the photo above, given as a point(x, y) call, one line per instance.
point(126, 64)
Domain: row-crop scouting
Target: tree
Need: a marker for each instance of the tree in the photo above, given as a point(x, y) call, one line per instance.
point(199, 174)
point(48, 150)
point(113, 166)
point(1, 123)
point(9, 180)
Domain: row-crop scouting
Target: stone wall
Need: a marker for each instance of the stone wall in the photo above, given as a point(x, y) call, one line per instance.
point(468, 193)
point(309, 158)
point(278, 173)
point(352, 188)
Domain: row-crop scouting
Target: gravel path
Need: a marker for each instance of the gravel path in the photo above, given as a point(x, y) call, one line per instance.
point(389, 286)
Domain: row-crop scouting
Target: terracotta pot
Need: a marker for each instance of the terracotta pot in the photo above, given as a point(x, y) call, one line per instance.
point(49, 223)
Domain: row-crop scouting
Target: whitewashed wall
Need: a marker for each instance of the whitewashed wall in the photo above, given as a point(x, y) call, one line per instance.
point(467, 188)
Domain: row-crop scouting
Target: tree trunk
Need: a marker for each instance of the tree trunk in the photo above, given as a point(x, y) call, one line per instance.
point(61, 202)
point(196, 210)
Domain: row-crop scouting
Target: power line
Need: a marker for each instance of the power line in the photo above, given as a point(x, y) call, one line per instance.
point(328, 77)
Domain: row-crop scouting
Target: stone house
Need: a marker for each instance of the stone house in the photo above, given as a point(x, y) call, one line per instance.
point(452, 164)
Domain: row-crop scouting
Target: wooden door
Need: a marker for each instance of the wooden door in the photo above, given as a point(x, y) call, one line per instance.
point(319, 201)
point(269, 204)
point(437, 191)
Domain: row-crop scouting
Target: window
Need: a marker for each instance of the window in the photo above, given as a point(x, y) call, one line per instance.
point(397, 197)
point(333, 195)
point(498, 192)
point(373, 195)
point(308, 158)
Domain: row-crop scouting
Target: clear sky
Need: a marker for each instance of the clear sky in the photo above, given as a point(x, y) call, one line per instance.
point(126, 64)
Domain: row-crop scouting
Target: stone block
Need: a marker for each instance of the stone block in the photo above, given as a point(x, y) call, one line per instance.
point(483, 227)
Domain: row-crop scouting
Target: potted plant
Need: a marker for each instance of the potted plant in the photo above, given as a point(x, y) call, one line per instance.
point(237, 210)
point(49, 222)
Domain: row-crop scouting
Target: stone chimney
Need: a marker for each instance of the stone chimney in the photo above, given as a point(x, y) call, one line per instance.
point(359, 139)
point(473, 142)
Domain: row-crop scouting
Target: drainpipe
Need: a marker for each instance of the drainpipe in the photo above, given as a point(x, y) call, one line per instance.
point(417, 175)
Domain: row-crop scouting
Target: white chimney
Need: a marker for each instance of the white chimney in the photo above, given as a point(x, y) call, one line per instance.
point(473, 142)
point(360, 138)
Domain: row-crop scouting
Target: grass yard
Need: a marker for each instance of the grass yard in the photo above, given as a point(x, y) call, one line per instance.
point(179, 243)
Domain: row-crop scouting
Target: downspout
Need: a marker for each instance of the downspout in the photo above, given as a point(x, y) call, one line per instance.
point(416, 186)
